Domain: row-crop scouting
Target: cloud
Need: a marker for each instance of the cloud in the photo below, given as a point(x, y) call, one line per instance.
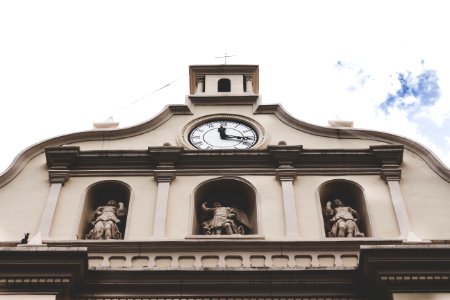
point(414, 92)
point(407, 103)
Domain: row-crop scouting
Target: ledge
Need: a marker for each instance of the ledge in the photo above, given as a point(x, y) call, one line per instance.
point(226, 237)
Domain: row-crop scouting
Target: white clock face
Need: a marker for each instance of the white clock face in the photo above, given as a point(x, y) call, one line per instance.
point(223, 134)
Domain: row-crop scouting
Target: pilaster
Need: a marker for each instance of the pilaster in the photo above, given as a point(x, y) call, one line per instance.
point(163, 174)
point(59, 162)
point(286, 174)
point(390, 159)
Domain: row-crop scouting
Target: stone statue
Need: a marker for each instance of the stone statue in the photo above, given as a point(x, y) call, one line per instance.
point(105, 221)
point(222, 220)
point(342, 220)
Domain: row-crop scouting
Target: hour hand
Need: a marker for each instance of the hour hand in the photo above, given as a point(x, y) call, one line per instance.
point(222, 133)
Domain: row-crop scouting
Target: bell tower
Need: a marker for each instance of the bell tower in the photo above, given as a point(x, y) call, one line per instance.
point(224, 83)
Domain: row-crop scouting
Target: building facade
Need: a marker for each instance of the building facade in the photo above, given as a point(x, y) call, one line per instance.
point(225, 198)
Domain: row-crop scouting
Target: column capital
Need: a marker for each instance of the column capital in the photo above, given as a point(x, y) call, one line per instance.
point(58, 175)
point(286, 174)
point(391, 173)
point(199, 78)
point(164, 175)
point(390, 157)
point(248, 77)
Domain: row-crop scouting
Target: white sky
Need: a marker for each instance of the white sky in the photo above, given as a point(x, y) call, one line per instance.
point(67, 64)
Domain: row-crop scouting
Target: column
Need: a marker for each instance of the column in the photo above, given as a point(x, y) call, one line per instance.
point(286, 174)
point(287, 177)
point(164, 174)
point(200, 82)
point(390, 158)
point(248, 83)
point(392, 177)
point(57, 179)
point(164, 178)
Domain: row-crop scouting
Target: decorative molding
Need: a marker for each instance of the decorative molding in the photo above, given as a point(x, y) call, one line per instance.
point(391, 173)
point(53, 270)
point(388, 155)
point(164, 175)
point(286, 174)
point(271, 161)
point(61, 157)
point(165, 156)
point(405, 268)
point(57, 175)
point(285, 155)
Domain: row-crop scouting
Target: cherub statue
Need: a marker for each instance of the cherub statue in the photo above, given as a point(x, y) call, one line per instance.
point(342, 220)
point(105, 221)
point(222, 220)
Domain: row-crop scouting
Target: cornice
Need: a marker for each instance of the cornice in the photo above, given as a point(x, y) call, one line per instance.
point(56, 270)
point(191, 244)
point(350, 133)
point(402, 268)
point(274, 159)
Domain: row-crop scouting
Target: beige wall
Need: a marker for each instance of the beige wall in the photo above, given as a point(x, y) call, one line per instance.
point(22, 201)
point(425, 193)
point(427, 198)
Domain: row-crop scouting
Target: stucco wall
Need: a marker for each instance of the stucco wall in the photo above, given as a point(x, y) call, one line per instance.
point(22, 201)
point(427, 198)
point(425, 193)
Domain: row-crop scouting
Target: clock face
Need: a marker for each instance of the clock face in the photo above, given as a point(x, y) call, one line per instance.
point(223, 134)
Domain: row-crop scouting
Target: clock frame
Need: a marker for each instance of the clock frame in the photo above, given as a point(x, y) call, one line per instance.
point(237, 133)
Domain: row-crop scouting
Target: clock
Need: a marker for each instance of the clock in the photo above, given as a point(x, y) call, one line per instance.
point(222, 131)
point(223, 134)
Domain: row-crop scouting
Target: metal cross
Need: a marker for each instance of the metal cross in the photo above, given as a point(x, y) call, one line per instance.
point(225, 57)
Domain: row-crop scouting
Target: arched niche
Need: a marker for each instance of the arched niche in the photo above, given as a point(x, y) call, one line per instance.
point(99, 194)
point(352, 195)
point(224, 85)
point(230, 192)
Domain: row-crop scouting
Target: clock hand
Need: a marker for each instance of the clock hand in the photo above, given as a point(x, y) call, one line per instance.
point(239, 137)
point(222, 133)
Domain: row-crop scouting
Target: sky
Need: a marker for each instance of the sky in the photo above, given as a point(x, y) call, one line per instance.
point(384, 65)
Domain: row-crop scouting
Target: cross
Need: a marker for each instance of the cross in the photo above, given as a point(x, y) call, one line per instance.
point(225, 57)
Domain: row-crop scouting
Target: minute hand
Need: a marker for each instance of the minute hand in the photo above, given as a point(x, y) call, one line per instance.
point(239, 137)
